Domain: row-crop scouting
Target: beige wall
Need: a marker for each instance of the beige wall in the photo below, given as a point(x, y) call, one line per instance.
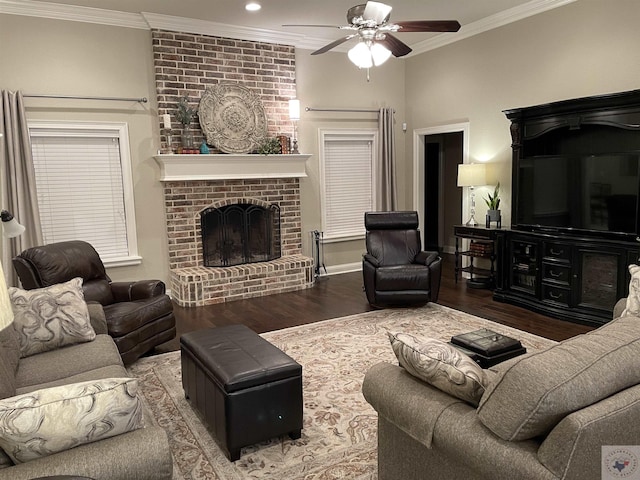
point(585, 48)
point(588, 47)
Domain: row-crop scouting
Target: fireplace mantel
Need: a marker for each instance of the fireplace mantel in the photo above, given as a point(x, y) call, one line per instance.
point(230, 166)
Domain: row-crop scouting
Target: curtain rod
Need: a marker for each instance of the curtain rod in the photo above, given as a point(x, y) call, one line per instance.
point(76, 97)
point(311, 109)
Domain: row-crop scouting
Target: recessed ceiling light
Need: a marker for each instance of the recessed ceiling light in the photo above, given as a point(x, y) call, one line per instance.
point(253, 6)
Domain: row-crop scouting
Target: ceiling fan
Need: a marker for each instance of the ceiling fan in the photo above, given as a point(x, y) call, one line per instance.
point(371, 26)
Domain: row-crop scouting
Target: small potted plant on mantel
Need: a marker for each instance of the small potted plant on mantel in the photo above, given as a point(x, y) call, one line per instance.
point(185, 115)
point(493, 203)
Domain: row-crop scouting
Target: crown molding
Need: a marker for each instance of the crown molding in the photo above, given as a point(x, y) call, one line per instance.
point(74, 13)
point(499, 19)
point(204, 27)
point(146, 21)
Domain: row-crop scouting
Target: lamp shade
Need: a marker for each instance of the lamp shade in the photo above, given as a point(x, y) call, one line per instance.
point(10, 226)
point(294, 109)
point(472, 174)
point(360, 55)
point(380, 54)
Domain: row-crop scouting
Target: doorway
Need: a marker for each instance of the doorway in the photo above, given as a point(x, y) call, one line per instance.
point(437, 153)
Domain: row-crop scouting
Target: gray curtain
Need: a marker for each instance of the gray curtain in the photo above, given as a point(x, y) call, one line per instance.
point(17, 177)
point(387, 198)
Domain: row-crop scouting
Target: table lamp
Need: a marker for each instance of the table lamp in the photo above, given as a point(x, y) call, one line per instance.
point(472, 175)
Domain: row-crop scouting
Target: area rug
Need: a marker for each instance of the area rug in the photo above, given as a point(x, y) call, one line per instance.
point(339, 430)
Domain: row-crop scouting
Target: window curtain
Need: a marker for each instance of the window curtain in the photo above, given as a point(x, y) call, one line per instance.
point(387, 197)
point(17, 177)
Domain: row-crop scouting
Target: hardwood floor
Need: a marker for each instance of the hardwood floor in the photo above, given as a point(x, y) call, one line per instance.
point(340, 295)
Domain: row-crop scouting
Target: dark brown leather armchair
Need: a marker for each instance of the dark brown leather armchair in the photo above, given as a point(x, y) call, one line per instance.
point(139, 314)
point(395, 269)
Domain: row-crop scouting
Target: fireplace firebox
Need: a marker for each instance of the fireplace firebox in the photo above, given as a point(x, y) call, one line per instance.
point(240, 233)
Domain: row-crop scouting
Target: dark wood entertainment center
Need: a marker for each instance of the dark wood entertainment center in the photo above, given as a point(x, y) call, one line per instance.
point(546, 263)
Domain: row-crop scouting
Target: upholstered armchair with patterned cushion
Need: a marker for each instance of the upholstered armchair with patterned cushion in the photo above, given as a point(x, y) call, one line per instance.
point(395, 269)
point(139, 314)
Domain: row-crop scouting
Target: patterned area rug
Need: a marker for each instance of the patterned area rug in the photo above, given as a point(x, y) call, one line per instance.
point(339, 435)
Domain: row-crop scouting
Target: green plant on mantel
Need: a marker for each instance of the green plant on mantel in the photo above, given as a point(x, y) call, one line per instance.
point(185, 113)
point(493, 202)
point(270, 146)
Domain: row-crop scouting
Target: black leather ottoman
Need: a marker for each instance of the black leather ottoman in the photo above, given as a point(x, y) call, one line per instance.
point(246, 389)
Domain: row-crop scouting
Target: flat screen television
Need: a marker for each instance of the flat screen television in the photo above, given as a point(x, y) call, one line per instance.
point(582, 193)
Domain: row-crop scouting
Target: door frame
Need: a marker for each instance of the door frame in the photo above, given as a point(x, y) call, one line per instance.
point(419, 135)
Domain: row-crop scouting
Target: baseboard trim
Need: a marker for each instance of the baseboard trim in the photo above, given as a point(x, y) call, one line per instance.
point(338, 269)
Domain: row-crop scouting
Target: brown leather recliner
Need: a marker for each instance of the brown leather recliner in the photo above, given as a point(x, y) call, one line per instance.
point(395, 269)
point(139, 314)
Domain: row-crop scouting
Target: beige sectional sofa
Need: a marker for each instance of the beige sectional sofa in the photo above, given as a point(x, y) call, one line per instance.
point(543, 415)
point(140, 454)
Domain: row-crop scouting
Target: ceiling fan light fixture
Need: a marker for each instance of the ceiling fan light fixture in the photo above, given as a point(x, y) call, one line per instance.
point(360, 55)
point(380, 54)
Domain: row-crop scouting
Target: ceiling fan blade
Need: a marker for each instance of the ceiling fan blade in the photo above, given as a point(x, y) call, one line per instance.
point(321, 26)
point(333, 44)
point(376, 11)
point(429, 26)
point(397, 47)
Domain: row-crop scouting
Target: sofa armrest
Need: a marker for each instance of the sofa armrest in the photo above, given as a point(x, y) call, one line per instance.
point(142, 454)
point(619, 307)
point(409, 403)
point(97, 318)
point(573, 448)
point(426, 258)
point(138, 290)
point(367, 257)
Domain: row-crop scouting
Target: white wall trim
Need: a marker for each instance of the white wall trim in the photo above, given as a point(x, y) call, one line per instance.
point(488, 23)
point(418, 163)
point(74, 13)
point(343, 268)
point(147, 21)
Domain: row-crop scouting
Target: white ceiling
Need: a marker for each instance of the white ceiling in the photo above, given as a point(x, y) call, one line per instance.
point(230, 18)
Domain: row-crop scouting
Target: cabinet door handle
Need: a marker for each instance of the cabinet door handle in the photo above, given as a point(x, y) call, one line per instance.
point(554, 274)
point(554, 252)
point(555, 296)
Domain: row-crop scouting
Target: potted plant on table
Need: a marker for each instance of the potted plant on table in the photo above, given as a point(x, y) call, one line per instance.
point(493, 203)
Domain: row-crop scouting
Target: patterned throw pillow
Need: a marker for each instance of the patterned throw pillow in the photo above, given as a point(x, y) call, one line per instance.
point(47, 421)
point(632, 308)
point(441, 365)
point(51, 317)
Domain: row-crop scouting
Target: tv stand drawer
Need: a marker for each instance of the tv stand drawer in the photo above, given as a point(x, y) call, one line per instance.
point(557, 251)
point(556, 273)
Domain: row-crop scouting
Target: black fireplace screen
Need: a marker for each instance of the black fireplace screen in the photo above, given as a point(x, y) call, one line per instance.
point(240, 233)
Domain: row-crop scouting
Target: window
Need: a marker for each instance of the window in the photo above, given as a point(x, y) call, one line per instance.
point(84, 187)
point(347, 170)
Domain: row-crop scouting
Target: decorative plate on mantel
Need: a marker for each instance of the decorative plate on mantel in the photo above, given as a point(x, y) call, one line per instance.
point(232, 118)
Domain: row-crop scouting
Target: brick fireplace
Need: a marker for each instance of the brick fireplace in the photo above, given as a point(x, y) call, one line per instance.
point(193, 184)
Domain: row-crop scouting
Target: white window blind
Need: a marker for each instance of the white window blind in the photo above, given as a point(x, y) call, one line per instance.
point(82, 188)
point(348, 183)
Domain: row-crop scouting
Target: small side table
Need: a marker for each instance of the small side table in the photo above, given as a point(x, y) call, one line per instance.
point(484, 244)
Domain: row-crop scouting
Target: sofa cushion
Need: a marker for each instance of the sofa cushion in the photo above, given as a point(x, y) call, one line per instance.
point(51, 420)
point(441, 365)
point(538, 390)
point(51, 317)
point(632, 306)
point(67, 361)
